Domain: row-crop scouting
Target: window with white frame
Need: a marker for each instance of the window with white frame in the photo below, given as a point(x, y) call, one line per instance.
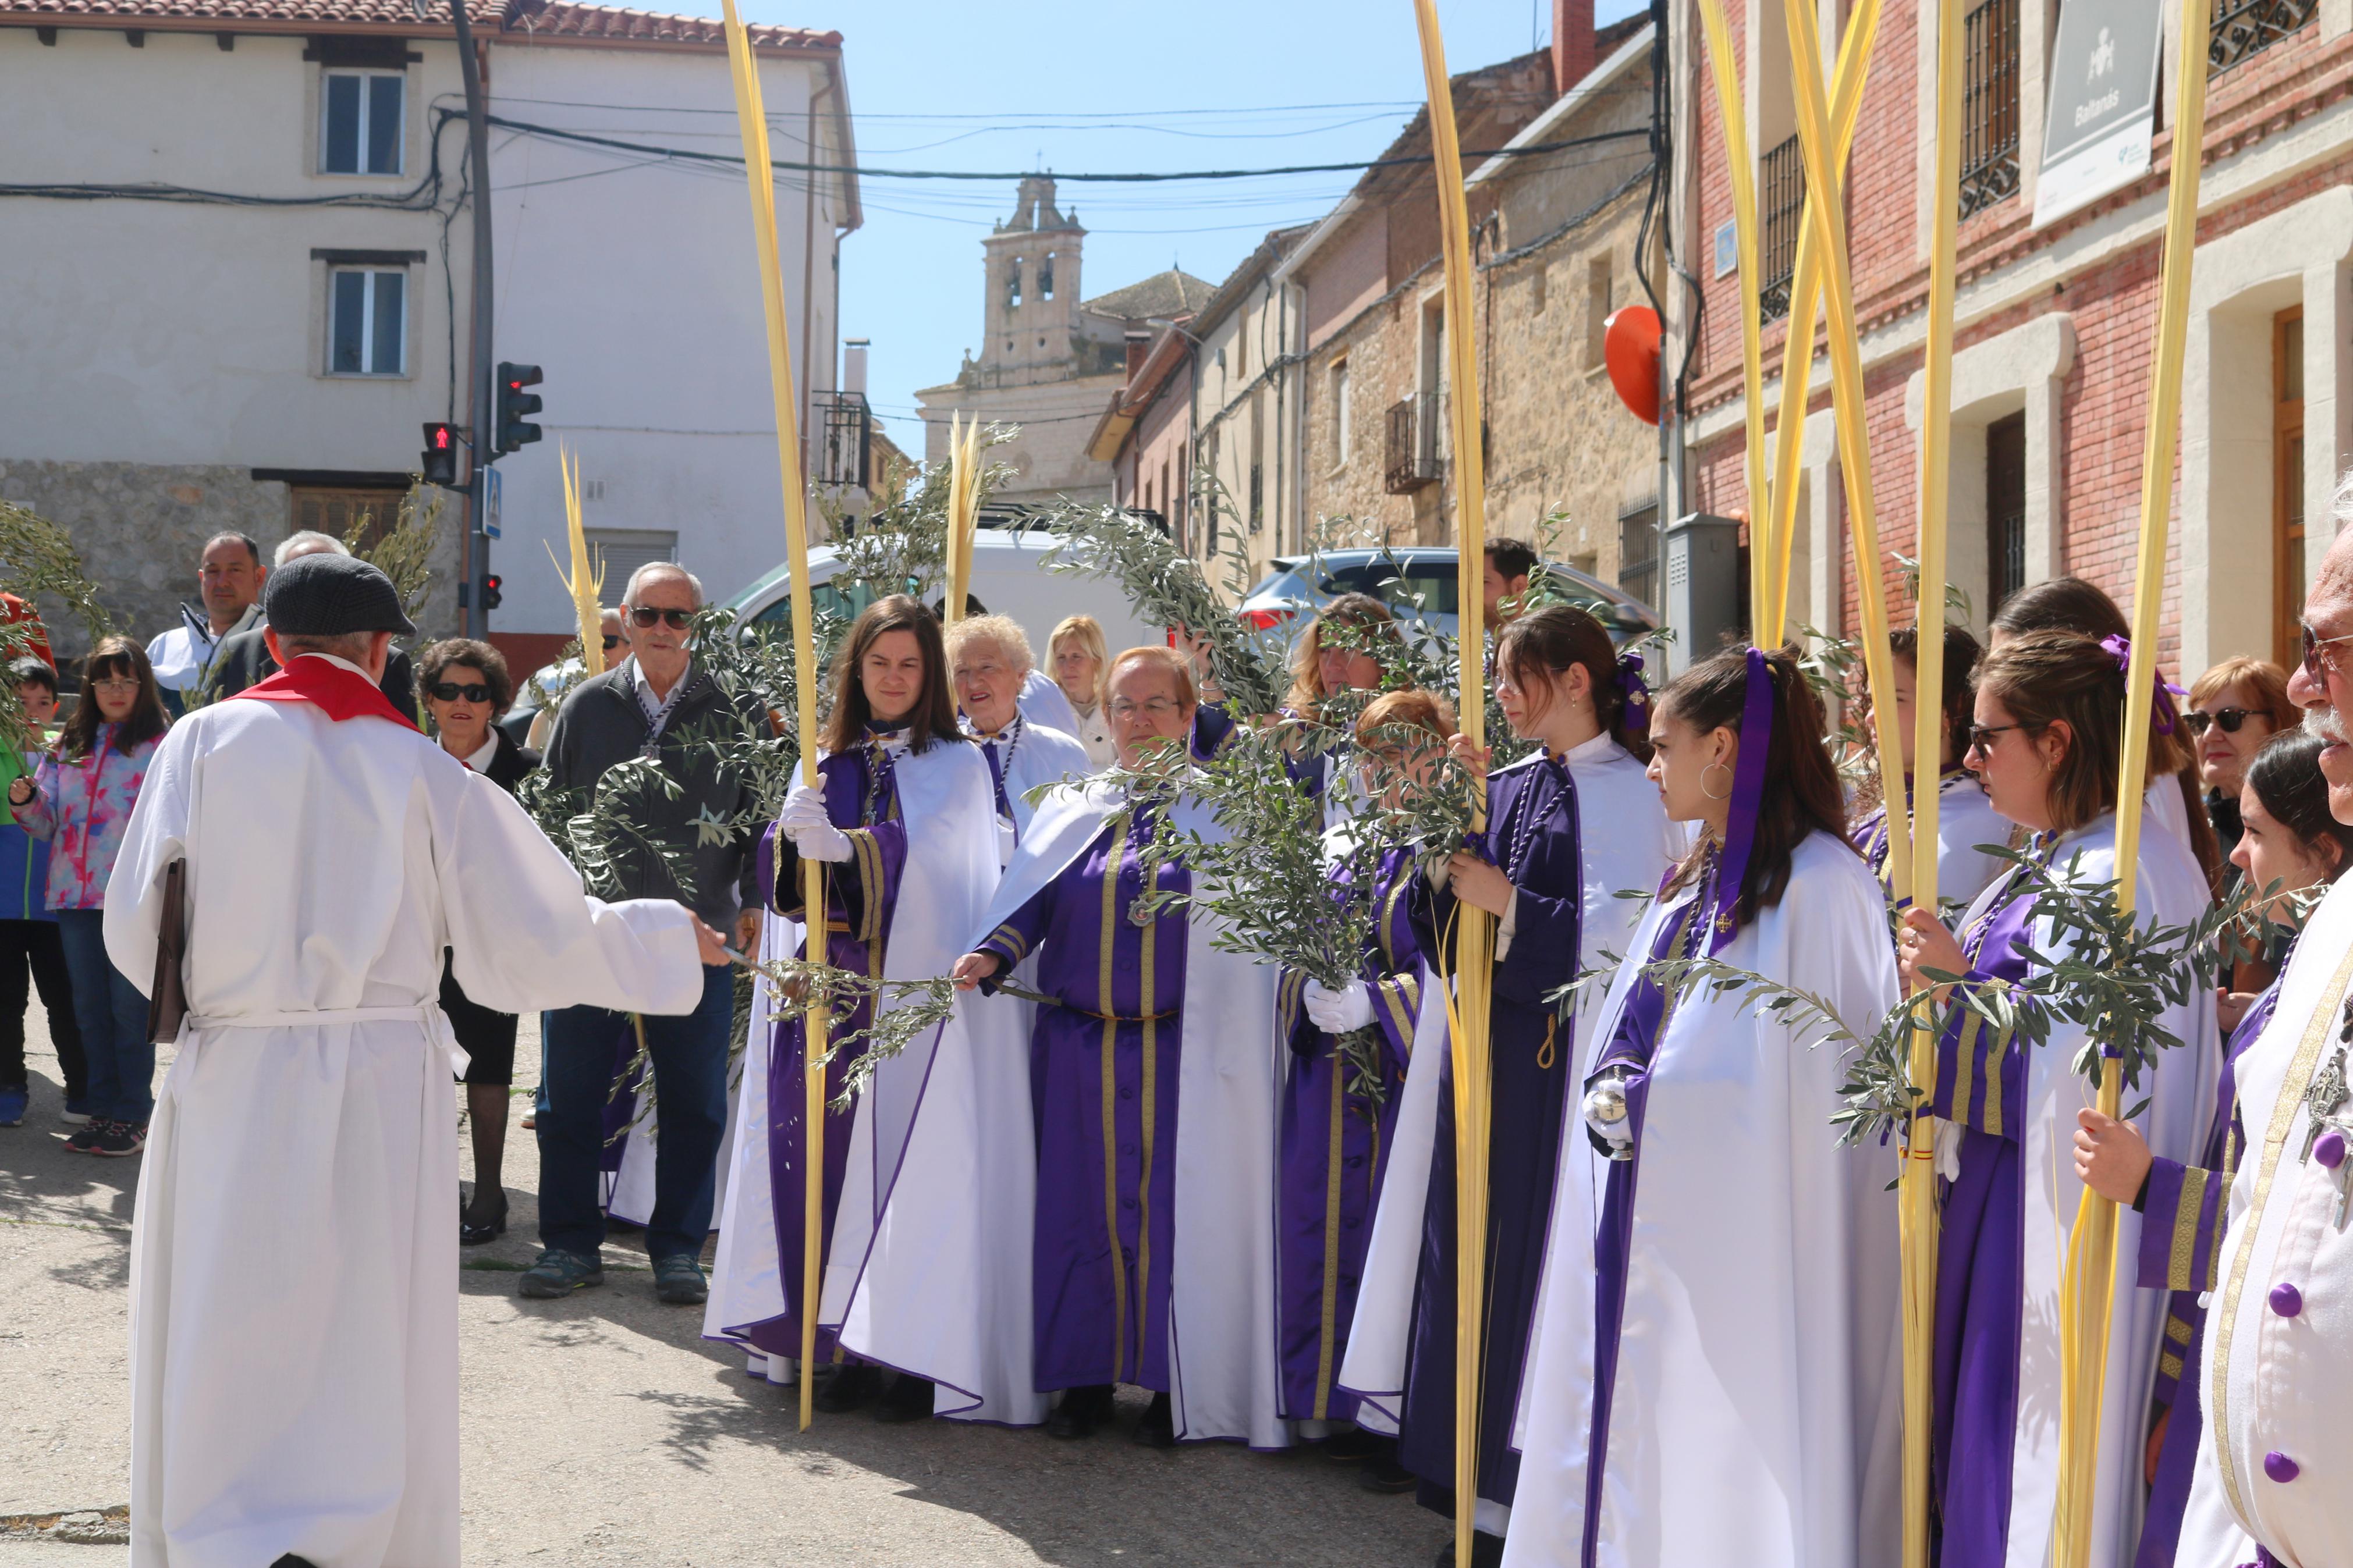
point(360, 121)
point(367, 322)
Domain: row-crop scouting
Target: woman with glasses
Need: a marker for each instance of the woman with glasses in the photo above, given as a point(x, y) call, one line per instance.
point(466, 688)
point(81, 800)
point(2233, 708)
point(903, 820)
point(1968, 826)
point(2293, 847)
point(2047, 744)
point(1568, 829)
point(1714, 1381)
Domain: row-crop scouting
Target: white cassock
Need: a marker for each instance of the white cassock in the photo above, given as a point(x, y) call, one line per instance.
point(1968, 828)
point(1759, 1373)
point(745, 1285)
point(1626, 843)
point(1043, 702)
point(2277, 1456)
point(293, 1278)
point(1035, 753)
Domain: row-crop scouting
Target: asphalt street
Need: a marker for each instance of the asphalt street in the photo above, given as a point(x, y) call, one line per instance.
point(602, 1430)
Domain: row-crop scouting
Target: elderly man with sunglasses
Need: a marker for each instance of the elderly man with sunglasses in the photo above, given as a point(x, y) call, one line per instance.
point(2275, 1360)
point(655, 711)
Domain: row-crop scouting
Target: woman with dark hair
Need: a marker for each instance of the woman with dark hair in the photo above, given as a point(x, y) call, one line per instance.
point(1967, 823)
point(1339, 1112)
point(1715, 1377)
point(2071, 604)
point(1566, 828)
point(2290, 846)
point(466, 687)
point(81, 799)
point(2048, 744)
point(904, 818)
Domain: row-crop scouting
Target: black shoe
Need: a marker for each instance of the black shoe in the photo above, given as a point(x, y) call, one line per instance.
point(678, 1279)
point(290, 1560)
point(1486, 1551)
point(1158, 1427)
point(559, 1273)
point(1351, 1444)
point(120, 1140)
point(478, 1223)
point(1082, 1411)
point(852, 1385)
point(1383, 1474)
point(909, 1399)
point(85, 1141)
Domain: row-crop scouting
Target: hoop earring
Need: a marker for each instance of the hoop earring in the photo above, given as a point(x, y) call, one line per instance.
point(1702, 782)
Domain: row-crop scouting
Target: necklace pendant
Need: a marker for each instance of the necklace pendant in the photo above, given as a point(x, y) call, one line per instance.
point(1140, 914)
point(2321, 1102)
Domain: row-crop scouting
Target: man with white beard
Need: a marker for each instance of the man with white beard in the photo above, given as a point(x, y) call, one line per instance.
point(2278, 1360)
point(293, 1280)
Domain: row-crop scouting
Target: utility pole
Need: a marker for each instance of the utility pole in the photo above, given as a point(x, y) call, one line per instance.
point(483, 395)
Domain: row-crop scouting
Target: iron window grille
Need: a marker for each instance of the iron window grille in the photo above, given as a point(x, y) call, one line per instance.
point(2244, 27)
point(1411, 458)
point(1990, 106)
point(845, 437)
point(1782, 190)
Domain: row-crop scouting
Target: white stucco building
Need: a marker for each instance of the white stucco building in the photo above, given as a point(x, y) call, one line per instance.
point(241, 278)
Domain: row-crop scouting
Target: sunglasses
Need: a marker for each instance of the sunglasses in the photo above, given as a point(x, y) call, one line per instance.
point(2229, 719)
point(1982, 735)
point(612, 641)
point(2313, 656)
point(451, 691)
point(646, 615)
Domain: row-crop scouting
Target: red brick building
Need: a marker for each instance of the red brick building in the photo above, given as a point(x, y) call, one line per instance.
point(2057, 324)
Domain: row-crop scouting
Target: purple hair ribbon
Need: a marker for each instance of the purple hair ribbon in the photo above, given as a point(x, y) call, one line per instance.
point(2120, 649)
point(1634, 692)
point(1747, 795)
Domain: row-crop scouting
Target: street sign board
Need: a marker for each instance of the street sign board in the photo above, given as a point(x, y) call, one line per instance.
point(491, 486)
point(2103, 107)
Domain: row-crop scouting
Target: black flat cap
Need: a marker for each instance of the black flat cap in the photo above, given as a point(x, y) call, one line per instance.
point(328, 594)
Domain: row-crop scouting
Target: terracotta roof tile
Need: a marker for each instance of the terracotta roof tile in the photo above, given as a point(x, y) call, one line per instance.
point(555, 18)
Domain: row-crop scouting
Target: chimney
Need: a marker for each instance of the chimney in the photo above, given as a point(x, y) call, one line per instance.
point(1139, 344)
point(853, 366)
point(1572, 43)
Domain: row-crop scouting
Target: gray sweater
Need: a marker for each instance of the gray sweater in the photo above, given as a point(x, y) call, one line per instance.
point(601, 724)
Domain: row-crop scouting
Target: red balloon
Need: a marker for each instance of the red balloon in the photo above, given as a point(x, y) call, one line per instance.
point(1630, 346)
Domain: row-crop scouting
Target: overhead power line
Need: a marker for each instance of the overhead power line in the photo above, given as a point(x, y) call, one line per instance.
point(1095, 177)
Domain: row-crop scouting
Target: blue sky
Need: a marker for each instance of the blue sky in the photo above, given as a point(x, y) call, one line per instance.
point(1110, 85)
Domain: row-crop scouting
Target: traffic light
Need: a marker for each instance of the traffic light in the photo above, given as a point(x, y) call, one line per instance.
point(492, 598)
point(440, 462)
point(515, 403)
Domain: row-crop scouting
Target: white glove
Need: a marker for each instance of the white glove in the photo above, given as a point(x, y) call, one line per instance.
point(1948, 1150)
point(805, 822)
point(1339, 1012)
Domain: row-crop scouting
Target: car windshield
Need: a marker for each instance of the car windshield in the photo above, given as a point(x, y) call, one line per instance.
point(1413, 585)
point(826, 599)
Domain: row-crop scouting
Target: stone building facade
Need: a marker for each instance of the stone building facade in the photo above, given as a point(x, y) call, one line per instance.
point(2057, 324)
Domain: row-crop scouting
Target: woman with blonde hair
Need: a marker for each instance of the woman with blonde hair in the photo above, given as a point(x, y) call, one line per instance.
point(1338, 653)
point(1077, 656)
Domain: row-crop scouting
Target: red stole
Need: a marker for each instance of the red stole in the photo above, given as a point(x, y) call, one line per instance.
point(328, 686)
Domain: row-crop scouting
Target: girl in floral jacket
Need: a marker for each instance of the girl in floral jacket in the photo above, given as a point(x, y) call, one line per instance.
point(82, 800)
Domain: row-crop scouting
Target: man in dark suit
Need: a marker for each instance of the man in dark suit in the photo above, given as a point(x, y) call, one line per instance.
point(243, 658)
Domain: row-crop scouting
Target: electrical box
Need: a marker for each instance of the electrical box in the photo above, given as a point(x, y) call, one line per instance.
point(1702, 596)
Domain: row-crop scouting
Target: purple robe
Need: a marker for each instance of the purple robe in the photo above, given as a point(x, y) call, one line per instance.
point(1980, 1082)
point(1532, 835)
point(1336, 1145)
point(2184, 1212)
point(1103, 1062)
point(861, 892)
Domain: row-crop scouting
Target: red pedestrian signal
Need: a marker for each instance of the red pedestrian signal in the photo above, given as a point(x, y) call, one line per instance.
point(440, 465)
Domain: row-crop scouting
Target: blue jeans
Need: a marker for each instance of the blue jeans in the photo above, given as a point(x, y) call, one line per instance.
point(690, 1062)
point(113, 1016)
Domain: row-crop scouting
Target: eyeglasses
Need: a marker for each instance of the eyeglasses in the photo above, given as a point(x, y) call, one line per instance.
point(451, 691)
point(2313, 656)
point(646, 615)
point(612, 641)
point(1982, 735)
point(117, 683)
point(1160, 707)
point(2229, 719)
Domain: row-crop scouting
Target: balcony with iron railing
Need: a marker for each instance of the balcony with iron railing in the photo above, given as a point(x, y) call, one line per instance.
point(2245, 27)
point(1781, 211)
point(1410, 455)
point(843, 439)
point(1990, 105)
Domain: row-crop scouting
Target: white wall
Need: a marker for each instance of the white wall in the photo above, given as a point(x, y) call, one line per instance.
point(637, 291)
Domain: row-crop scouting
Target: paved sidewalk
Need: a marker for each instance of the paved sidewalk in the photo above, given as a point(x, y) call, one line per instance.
point(602, 1431)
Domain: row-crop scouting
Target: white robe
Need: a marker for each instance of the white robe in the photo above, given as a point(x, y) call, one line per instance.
point(746, 1284)
point(1042, 755)
point(293, 1274)
point(1966, 822)
point(2284, 1385)
point(1043, 702)
point(1628, 844)
point(1758, 1375)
